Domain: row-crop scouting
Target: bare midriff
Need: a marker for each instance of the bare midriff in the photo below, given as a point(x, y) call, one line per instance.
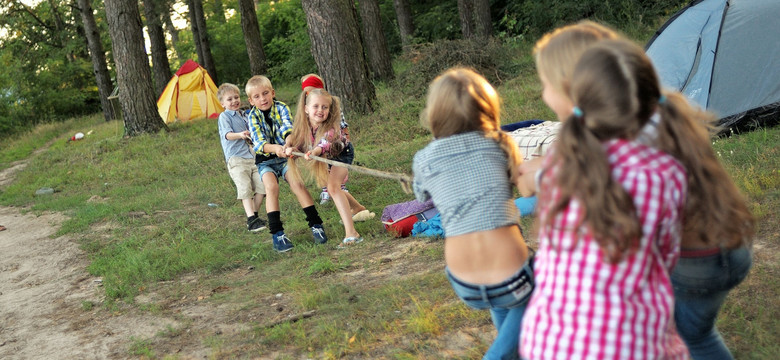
point(486, 257)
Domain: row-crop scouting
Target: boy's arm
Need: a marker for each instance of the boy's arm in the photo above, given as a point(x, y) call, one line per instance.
point(285, 125)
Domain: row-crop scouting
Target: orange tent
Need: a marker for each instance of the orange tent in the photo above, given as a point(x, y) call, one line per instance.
point(191, 94)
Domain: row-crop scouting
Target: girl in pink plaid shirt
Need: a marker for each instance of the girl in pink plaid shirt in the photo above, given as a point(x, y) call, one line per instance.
point(610, 219)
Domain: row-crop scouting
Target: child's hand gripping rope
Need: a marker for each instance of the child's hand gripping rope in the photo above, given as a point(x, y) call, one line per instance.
point(404, 179)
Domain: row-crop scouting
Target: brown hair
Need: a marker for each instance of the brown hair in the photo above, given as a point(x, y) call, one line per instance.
point(617, 90)
point(460, 100)
point(615, 87)
point(301, 139)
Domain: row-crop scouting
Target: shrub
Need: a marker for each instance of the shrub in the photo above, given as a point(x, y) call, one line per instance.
point(422, 63)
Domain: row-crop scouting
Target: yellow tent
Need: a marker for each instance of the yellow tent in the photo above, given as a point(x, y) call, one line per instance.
point(191, 94)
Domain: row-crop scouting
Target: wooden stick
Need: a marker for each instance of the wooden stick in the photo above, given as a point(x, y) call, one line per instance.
point(291, 318)
point(405, 180)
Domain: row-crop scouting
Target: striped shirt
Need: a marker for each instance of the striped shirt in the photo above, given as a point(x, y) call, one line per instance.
point(263, 133)
point(583, 307)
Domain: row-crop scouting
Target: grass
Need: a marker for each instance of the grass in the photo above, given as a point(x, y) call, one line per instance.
point(139, 208)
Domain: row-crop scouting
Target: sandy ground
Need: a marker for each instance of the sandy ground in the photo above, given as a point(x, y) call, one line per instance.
point(45, 293)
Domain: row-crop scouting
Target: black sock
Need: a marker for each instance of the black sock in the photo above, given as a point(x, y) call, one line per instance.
point(255, 213)
point(312, 217)
point(275, 222)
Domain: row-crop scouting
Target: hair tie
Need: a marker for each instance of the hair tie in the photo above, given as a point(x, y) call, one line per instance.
point(577, 112)
point(662, 99)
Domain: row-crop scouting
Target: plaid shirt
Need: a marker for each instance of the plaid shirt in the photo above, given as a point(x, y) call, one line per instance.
point(262, 133)
point(466, 176)
point(586, 308)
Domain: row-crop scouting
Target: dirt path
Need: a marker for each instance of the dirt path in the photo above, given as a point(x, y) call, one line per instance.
point(46, 293)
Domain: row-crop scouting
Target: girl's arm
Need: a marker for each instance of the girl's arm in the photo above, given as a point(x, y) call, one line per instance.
point(526, 177)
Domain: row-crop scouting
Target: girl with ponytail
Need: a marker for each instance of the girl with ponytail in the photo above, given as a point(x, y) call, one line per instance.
point(469, 172)
point(718, 227)
point(611, 211)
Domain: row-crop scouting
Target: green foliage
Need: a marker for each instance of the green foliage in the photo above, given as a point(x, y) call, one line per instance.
point(47, 73)
point(285, 40)
point(426, 61)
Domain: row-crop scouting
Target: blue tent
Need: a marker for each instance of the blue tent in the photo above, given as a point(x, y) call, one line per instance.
point(724, 56)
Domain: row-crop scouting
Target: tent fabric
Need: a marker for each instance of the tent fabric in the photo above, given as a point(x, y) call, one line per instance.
point(189, 95)
point(724, 55)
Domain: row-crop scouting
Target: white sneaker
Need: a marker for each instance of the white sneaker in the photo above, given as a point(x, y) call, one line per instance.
point(324, 197)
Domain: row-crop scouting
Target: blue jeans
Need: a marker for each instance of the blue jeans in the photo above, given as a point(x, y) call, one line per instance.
point(700, 288)
point(278, 166)
point(506, 300)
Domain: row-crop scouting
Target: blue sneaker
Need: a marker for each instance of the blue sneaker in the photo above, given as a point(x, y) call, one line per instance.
point(319, 234)
point(282, 242)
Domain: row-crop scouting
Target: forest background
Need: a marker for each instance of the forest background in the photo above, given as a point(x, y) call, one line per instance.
point(48, 75)
point(154, 271)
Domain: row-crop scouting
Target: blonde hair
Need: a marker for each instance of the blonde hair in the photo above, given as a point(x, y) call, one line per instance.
point(460, 100)
point(257, 82)
point(557, 52)
point(301, 134)
point(226, 88)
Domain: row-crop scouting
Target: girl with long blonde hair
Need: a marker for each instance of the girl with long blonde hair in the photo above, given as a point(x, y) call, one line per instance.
point(469, 172)
point(317, 131)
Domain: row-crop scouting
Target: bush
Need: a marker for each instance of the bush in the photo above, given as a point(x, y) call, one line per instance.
point(422, 63)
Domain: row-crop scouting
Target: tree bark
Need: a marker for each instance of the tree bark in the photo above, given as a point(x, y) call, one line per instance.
point(203, 39)
point(405, 23)
point(98, 57)
point(136, 94)
point(338, 52)
point(466, 14)
point(252, 37)
point(374, 41)
point(160, 65)
point(195, 31)
point(166, 18)
point(484, 26)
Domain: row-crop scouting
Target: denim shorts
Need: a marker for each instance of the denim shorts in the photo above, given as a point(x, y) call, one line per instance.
point(278, 166)
point(346, 156)
point(512, 292)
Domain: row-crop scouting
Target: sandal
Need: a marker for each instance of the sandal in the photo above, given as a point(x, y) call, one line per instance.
point(363, 216)
point(349, 241)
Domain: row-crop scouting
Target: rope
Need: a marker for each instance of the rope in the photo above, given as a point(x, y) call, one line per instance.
point(404, 179)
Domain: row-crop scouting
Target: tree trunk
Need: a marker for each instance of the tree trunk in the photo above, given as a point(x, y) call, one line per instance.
point(136, 94)
point(466, 13)
point(195, 31)
point(98, 56)
point(338, 52)
point(160, 65)
point(165, 12)
point(405, 23)
point(203, 36)
point(252, 38)
point(374, 41)
point(484, 26)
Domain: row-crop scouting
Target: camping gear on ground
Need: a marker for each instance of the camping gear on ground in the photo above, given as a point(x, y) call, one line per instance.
point(724, 56)
point(190, 94)
point(535, 140)
point(399, 219)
